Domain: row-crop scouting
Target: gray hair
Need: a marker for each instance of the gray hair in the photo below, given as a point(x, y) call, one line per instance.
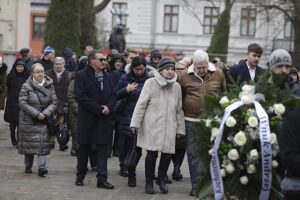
point(57, 59)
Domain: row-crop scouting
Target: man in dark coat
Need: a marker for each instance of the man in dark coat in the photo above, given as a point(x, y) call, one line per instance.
point(248, 70)
point(47, 59)
point(96, 100)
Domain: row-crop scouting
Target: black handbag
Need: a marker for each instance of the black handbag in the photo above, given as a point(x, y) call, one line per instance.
point(130, 159)
point(52, 125)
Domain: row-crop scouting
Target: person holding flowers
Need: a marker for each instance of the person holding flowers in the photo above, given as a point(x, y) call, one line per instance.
point(202, 79)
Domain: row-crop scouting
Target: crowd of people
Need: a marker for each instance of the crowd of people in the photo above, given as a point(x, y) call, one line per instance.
point(124, 99)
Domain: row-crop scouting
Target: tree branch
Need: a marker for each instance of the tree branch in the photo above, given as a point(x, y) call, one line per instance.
point(101, 6)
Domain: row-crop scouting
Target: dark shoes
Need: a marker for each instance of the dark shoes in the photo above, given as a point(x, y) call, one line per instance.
point(52, 146)
point(63, 147)
point(123, 172)
point(162, 186)
point(115, 153)
point(167, 180)
point(105, 185)
point(192, 192)
point(28, 170)
point(79, 182)
point(131, 181)
point(42, 172)
point(94, 168)
point(176, 174)
point(149, 187)
point(13, 139)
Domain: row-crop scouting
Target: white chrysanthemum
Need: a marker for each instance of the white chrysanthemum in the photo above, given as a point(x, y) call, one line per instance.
point(230, 122)
point(279, 109)
point(224, 100)
point(230, 168)
point(273, 138)
point(223, 172)
point(214, 133)
point(244, 180)
point(233, 154)
point(208, 122)
point(240, 138)
point(246, 99)
point(251, 169)
point(274, 164)
point(210, 152)
point(247, 88)
point(254, 154)
point(253, 121)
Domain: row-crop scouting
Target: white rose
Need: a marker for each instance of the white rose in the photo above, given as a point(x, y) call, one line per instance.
point(240, 138)
point(254, 154)
point(247, 88)
point(233, 154)
point(210, 152)
point(253, 121)
point(223, 172)
point(244, 180)
point(273, 138)
point(251, 169)
point(246, 99)
point(230, 168)
point(208, 123)
point(279, 109)
point(230, 122)
point(274, 164)
point(214, 133)
point(224, 100)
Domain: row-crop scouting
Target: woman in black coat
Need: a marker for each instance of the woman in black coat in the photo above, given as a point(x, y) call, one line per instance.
point(16, 77)
point(128, 90)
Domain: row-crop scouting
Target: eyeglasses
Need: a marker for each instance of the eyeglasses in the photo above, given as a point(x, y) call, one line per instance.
point(101, 59)
point(179, 69)
point(38, 72)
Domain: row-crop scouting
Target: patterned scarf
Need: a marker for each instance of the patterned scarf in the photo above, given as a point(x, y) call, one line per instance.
point(99, 76)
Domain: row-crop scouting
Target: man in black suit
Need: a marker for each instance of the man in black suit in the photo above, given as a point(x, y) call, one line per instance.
point(96, 100)
point(248, 70)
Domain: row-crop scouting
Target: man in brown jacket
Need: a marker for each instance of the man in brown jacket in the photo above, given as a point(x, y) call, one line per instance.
point(202, 79)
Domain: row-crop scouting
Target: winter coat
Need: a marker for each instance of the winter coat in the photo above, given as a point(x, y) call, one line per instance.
point(15, 81)
point(73, 105)
point(71, 66)
point(129, 100)
point(33, 99)
point(240, 73)
point(93, 127)
point(47, 64)
point(195, 88)
point(61, 88)
point(158, 114)
point(3, 78)
point(289, 143)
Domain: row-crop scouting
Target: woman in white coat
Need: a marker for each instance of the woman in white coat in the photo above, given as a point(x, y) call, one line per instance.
point(158, 119)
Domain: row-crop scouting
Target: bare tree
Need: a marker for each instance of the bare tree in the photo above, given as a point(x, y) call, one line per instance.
point(101, 6)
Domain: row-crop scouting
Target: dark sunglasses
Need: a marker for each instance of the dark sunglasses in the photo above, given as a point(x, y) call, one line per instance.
point(101, 59)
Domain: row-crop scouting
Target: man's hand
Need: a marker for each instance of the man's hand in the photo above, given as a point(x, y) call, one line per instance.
point(105, 110)
point(135, 130)
point(41, 116)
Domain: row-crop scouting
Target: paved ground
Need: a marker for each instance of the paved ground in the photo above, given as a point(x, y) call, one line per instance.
point(59, 183)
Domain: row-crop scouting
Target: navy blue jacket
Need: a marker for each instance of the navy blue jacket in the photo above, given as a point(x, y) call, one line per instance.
point(131, 99)
point(240, 73)
point(92, 126)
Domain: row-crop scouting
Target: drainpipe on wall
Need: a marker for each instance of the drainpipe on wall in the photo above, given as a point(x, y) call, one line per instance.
point(153, 24)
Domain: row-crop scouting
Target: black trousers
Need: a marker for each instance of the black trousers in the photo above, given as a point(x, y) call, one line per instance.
point(101, 158)
point(125, 143)
point(178, 157)
point(150, 161)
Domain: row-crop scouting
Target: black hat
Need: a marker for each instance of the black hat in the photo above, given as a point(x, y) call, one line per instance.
point(20, 62)
point(155, 53)
point(24, 51)
point(165, 62)
point(68, 52)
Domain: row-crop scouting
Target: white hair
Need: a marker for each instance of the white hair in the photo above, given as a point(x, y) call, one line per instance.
point(199, 56)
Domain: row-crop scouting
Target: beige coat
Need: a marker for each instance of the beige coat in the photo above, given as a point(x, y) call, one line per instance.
point(158, 115)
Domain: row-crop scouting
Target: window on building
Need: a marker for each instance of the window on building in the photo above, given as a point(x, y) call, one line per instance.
point(171, 18)
point(119, 14)
point(248, 20)
point(288, 26)
point(39, 27)
point(211, 15)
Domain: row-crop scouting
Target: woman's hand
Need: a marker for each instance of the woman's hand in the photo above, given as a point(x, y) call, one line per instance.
point(178, 135)
point(131, 87)
point(41, 116)
point(134, 130)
